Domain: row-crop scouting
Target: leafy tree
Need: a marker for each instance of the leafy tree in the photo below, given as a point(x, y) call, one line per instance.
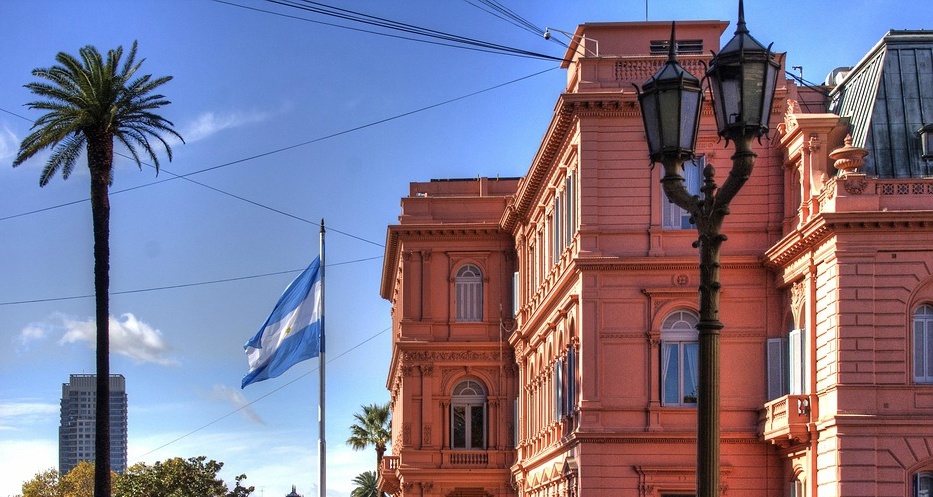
point(373, 428)
point(177, 477)
point(365, 485)
point(239, 490)
point(44, 484)
point(89, 103)
point(79, 482)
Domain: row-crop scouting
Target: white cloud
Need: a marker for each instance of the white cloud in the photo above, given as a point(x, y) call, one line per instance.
point(235, 397)
point(23, 459)
point(25, 412)
point(32, 333)
point(9, 144)
point(128, 336)
point(210, 123)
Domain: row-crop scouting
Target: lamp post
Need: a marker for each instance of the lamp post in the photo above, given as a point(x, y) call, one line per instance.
point(742, 78)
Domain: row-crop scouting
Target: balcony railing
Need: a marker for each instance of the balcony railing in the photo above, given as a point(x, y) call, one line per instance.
point(388, 479)
point(785, 421)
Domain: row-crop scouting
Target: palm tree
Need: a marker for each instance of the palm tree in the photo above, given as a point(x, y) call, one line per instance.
point(365, 485)
point(373, 428)
point(89, 103)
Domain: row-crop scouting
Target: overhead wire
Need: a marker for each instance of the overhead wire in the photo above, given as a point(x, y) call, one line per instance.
point(181, 285)
point(493, 4)
point(264, 396)
point(421, 35)
point(276, 151)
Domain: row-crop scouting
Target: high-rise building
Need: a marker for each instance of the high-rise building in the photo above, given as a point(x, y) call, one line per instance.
point(79, 424)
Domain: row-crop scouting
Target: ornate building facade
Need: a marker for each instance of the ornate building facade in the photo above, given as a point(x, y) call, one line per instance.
point(544, 327)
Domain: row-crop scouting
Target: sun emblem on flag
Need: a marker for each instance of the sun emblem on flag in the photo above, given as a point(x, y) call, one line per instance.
point(288, 330)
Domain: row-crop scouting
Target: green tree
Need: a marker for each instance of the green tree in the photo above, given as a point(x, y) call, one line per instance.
point(79, 482)
point(89, 102)
point(365, 485)
point(44, 484)
point(177, 477)
point(239, 490)
point(373, 428)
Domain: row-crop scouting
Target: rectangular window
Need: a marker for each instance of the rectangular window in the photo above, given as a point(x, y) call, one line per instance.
point(679, 373)
point(674, 217)
point(923, 344)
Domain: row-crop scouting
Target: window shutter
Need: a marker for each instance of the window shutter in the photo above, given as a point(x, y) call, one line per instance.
point(796, 362)
point(516, 304)
point(558, 389)
point(777, 367)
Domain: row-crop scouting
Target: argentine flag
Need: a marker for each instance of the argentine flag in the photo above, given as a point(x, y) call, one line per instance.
point(292, 333)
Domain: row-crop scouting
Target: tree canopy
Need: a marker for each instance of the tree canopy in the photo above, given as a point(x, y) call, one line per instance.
point(175, 477)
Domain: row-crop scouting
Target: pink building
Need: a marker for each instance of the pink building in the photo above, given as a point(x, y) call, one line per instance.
point(544, 339)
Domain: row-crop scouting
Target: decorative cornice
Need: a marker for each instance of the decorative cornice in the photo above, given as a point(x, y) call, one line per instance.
point(657, 264)
point(570, 107)
point(825, 225)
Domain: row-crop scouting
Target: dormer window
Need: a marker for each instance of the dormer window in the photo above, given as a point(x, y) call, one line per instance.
point(926, 142)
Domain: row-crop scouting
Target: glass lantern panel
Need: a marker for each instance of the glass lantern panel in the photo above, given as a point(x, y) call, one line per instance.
point(690, 105)
point(770, 84)
point(649, 111)
point(754, 76)
point(670, 118)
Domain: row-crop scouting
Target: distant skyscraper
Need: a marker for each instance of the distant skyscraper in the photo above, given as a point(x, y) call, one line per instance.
point(78, 422)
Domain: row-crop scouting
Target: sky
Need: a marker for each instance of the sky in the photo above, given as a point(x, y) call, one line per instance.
point(289, 117)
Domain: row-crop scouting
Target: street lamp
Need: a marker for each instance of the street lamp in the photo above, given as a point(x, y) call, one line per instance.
point(742, 78)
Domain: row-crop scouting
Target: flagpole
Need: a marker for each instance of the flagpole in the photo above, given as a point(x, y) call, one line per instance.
point(322, 444)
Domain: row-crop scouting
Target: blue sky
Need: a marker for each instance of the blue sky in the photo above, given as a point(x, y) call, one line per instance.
point(294, 121)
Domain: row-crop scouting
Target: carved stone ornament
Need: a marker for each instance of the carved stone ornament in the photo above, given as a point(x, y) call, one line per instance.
point(848, 158)
point(855, 184)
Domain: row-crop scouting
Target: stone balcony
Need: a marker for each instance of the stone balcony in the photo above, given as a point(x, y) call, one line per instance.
point(388, 480)
point(786, 421)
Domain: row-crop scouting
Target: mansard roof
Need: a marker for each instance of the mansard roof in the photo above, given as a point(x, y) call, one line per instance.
point(888, 97)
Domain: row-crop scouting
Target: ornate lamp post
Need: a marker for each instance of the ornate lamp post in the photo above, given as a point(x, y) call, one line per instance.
point(742, 78)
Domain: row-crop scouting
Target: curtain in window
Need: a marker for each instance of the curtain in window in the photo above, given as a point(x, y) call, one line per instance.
point(690, 373)
point(669, 374)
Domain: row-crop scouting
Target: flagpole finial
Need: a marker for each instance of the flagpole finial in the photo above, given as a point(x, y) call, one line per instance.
point(322, 225)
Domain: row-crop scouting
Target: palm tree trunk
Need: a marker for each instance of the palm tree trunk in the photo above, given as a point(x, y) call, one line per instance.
point(100, 162)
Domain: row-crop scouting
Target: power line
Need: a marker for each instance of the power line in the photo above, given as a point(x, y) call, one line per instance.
point(181, 285)
point(421, 35)
point(263, 397)
point(276, 151)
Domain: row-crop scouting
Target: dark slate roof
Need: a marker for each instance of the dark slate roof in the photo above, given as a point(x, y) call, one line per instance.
point(888, 97)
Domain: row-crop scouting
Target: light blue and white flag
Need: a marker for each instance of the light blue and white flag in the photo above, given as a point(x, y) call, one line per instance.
point(292, 333)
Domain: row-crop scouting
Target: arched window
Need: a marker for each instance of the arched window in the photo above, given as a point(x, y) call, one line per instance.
point(469, 294)
point(468, 416)
point(923, 483)
point(679, 359)
point(923, 344)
